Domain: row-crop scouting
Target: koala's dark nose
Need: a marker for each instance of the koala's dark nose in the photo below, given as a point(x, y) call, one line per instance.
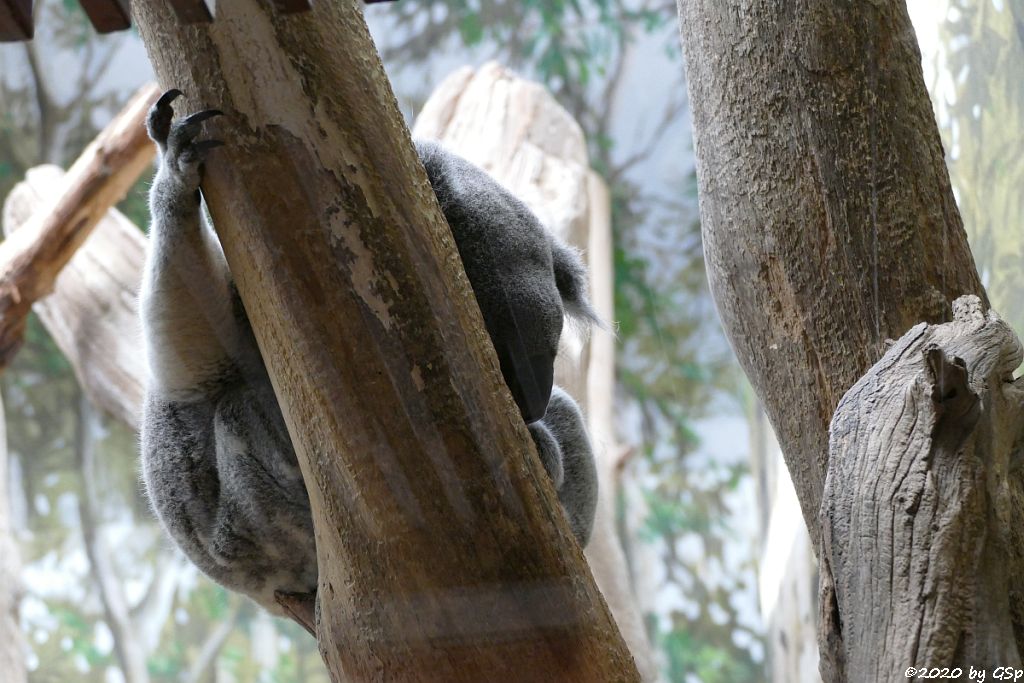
point(529, 378)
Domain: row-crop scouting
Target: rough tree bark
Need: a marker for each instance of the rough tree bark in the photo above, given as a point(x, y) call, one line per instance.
point(443, 553)
point(827, 216)
point(517, 131)
point(12, 653)
point(829, 225)
point(924, 490)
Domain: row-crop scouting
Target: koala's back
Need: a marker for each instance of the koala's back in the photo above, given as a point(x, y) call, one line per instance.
point(224, 480)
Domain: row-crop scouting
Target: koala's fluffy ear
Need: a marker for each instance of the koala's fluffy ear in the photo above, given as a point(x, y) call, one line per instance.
point(572, 281)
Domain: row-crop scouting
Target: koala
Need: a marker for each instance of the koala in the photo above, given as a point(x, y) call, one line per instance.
point(217, 461)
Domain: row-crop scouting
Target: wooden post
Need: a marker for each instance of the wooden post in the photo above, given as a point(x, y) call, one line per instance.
point(15, 20)
point(107, 16)
point(443, 552)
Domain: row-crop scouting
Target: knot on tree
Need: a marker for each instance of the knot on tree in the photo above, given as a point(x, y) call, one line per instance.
point(921, 507)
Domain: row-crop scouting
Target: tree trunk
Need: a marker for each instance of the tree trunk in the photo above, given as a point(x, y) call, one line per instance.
point(827, 216)
point(829, 225)
point(519, 133)
point(442, 549)
point(922, 548)
point(12, 653)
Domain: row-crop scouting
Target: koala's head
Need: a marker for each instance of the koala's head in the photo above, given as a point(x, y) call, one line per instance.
point(525, 332)
point(507, 255)
point(512, 273)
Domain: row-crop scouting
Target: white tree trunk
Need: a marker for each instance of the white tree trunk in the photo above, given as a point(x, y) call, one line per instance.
point(514, 129)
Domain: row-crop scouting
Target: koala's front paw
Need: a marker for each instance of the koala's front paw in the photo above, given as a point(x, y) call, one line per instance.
point(182, 156)
point(549, 451)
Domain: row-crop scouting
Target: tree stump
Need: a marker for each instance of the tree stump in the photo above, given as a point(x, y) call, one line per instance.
point(921, 544)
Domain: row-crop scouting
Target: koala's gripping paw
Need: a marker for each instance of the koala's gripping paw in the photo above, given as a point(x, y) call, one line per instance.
point(549, 451)
point(181, 154)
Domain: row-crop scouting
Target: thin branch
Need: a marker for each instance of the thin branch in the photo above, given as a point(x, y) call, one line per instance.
point(44, 104)
point(152, 611)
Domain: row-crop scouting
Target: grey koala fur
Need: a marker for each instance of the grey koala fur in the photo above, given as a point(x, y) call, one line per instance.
point(217, 460)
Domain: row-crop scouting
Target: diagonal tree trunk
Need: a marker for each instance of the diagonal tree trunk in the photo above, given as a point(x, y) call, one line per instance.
point(31, 258)
point(443, 552)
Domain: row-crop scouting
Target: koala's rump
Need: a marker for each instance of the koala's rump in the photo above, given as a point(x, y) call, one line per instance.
point(224, 481)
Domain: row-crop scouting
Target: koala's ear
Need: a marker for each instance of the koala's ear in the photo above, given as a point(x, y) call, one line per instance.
point(529, 378)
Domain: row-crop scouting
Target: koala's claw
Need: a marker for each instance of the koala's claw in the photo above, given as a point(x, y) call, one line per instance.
point(168, 97)
point(201, 116)
point(183, 132)
point(158, 123)
point(181, 154)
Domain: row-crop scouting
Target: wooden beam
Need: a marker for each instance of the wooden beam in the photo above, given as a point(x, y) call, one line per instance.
point(107, 16)
point(15, 20)
point(31, 258)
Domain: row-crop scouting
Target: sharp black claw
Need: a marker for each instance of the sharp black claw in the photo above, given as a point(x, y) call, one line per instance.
point(168, 97)
point(201, 116)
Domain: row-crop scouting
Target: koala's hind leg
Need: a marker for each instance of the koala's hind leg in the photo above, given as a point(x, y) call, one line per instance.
point(193, 324)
